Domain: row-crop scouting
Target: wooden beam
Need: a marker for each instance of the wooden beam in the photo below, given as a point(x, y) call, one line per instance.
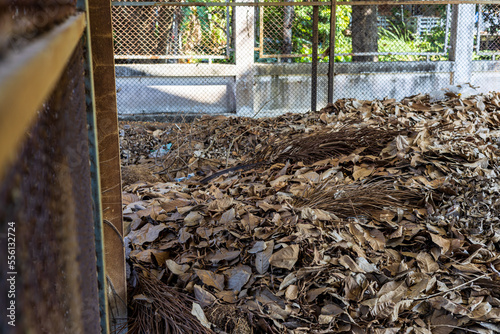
point(312, 3)
point(101, 39)
point(27, 77)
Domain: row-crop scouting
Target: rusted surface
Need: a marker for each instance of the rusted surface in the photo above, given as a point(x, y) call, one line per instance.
point(46, 193)
point(109, 155)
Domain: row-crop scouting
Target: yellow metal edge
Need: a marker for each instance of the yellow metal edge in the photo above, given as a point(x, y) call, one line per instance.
point(27, 77)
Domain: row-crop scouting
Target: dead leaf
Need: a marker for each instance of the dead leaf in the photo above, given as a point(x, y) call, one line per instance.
point(285, 257)
point(176, 268)
point(210, 278)
point(262, 258)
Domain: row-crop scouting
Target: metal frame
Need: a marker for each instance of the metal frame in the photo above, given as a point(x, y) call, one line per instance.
point(35, 69)
point(95, 174)
point(312, 3)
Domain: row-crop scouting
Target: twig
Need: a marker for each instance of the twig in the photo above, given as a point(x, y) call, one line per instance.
point(454, 288)
point(456, 327)
point(113, 227)
point(110, 283)
point(235, 139)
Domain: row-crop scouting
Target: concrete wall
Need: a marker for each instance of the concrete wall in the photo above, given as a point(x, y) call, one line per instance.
point(138, 95)
point(486, 75)
point(281, 88)
point(249, 89)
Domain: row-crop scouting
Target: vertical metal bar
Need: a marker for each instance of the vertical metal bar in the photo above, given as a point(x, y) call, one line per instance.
point(227, 32)
point(100, 25)
point(82, 5)
point(447, 29)
point(314, 68)
point(261, 31)
point(479, 20)
point(331, 55)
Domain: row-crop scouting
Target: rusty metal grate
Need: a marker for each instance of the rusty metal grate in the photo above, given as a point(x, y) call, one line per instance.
point(46, 193)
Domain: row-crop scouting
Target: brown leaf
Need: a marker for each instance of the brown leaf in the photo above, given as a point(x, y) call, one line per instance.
point(441, 242)
point(192, 219)
point(210, 278)
point(359, 173)
point(228, 217)
point(148, 233)
point(262, 258)
point(292, 292)
point(289, 279)
point(175, 268)
point(354, 287)
point(204, 297)
point(227, 296)
point(237, 277)
point(427, 263)
point(224, 255)
point(172, 205)
point(375, 238)
point(285, 257)
point(145, 255)
point(440, 302)
point(259, 246)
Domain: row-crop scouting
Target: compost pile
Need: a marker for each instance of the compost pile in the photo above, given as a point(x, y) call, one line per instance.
point(365, 217)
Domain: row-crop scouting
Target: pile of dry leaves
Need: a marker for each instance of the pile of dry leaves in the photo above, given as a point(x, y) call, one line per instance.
point(366, 217)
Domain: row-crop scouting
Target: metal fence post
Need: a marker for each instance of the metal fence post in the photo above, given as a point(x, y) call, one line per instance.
point(314, 68)
point(244, 54)
point(331, 54)
point(462, 42)
point(105, 158)
point(82, 5)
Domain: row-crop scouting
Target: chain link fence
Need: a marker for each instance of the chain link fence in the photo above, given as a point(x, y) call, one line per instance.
point(258, 60)
point(487, 34)
point(171, 33)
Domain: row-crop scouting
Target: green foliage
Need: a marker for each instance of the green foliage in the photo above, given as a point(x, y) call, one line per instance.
point(397, 38)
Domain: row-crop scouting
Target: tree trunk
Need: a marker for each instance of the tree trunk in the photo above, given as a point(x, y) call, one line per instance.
point(164, 35)
point(364, 32)
point(287, 32)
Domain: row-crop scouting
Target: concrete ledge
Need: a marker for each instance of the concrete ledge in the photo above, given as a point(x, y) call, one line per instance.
point(176, 70)
point(485, 66)
point(224, 70)
point(355, 68)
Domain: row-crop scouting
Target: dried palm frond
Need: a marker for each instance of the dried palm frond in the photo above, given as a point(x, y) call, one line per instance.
point(358, 199)
point(326, 144)
point(158, 308)
point(317, 146)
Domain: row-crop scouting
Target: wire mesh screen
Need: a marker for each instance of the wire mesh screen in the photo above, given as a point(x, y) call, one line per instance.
point(487, 37)
point(45, 202)
point(389, 50)
point(167, 32)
